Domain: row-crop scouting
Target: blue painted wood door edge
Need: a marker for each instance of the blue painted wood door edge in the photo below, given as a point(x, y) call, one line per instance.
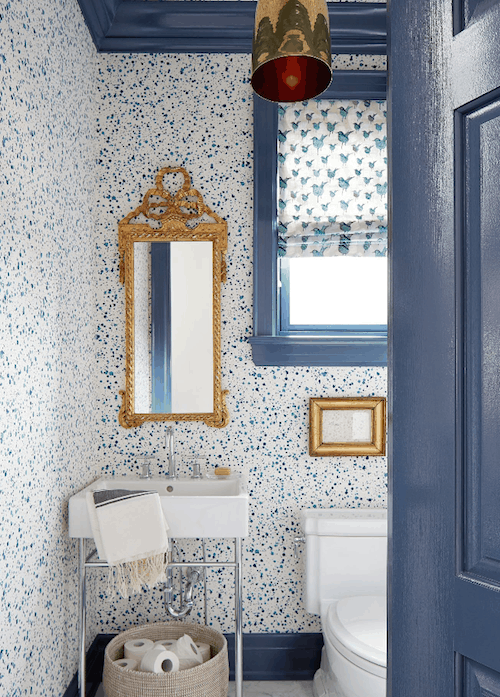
point(269, 348)
point(205, 27)
point(265, 657)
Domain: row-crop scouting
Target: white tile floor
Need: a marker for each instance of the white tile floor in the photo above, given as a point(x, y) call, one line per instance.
point(269, 688)
point(266, 688)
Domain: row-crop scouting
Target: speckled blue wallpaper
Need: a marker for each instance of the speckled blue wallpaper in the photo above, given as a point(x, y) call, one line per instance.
point(196, 111)
point(48, 436)
point(82, 138)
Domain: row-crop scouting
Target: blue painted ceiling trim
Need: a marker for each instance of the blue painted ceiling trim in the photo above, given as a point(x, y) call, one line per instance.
point(217, 27)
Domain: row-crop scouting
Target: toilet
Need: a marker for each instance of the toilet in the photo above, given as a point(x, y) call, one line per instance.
point(345, 583)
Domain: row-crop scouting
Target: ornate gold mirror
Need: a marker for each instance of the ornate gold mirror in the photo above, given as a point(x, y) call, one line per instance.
point(172, 261)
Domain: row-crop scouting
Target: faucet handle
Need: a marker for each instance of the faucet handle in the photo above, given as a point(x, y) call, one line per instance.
point(197, 473)
point(145, 469)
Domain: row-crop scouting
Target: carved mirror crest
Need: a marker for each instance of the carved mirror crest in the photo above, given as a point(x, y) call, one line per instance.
point(172, 261)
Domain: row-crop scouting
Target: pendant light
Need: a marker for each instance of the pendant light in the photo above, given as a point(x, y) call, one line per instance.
point(291, 55)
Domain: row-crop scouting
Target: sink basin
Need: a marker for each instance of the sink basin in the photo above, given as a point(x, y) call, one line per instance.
point(192, 507)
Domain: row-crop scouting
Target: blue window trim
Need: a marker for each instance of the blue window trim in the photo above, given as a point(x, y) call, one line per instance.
point(269, 345)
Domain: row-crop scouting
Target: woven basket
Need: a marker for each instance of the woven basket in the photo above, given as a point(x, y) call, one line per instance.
point(207, 680)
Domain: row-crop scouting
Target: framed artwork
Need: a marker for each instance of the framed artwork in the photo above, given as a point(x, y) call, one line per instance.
point(346, 426)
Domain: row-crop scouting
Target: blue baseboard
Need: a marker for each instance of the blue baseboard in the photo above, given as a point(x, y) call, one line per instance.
point(277, 656)
point(265, 657)
point(95, 662)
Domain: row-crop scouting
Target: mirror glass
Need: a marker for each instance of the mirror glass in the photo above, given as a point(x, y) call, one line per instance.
point(173, 332)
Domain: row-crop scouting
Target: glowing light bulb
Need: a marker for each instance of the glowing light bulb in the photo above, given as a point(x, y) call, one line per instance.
point(292, 73)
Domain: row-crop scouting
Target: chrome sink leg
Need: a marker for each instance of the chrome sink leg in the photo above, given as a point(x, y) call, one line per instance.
point(82, 620)
point(238, 636)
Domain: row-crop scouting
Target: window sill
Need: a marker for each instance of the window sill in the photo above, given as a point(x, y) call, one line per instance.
point(318, 351)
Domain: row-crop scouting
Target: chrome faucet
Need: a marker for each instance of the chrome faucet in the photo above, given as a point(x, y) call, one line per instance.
point(169, 445)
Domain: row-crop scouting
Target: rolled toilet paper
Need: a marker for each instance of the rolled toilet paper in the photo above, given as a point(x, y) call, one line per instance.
point(159, 660)
point(168, 644)
point(136, 648)
point(126, 663)
point(188, 653)
point(204, 649)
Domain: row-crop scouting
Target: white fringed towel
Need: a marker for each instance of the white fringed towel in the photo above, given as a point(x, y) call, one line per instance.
point(130, 532)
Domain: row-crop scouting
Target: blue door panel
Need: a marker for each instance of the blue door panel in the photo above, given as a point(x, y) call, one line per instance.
point(481, 160)
point(475, 66)
point(476, 622)
point(465, 10)
point(479, 681)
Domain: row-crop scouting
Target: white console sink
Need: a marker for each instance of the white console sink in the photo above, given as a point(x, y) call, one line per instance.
point(193, 507)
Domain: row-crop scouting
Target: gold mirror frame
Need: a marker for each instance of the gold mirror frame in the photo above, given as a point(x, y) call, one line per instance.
point(163, 217)
point(318, 447)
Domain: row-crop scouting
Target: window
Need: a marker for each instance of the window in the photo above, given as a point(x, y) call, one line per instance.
point(333, 294)
point(320, 255)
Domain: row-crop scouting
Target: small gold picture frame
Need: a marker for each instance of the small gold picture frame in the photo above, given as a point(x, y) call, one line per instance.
point(346, 426)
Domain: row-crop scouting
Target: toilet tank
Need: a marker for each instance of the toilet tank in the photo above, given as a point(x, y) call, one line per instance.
point(346, 554)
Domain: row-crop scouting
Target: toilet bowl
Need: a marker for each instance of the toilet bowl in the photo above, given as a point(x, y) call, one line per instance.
point(348, 551)
point(354, 656)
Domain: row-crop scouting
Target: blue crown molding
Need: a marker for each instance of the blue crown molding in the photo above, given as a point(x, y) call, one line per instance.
point(131, 26)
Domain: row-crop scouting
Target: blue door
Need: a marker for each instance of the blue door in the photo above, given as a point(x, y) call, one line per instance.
point(444, 542)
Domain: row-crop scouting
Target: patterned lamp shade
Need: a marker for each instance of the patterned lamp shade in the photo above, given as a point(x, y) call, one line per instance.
point(291, 56)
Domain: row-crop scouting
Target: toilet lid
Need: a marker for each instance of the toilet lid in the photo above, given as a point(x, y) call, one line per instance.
point(357, 627)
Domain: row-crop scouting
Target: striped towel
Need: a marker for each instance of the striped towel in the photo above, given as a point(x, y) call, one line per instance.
point(130, 532)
